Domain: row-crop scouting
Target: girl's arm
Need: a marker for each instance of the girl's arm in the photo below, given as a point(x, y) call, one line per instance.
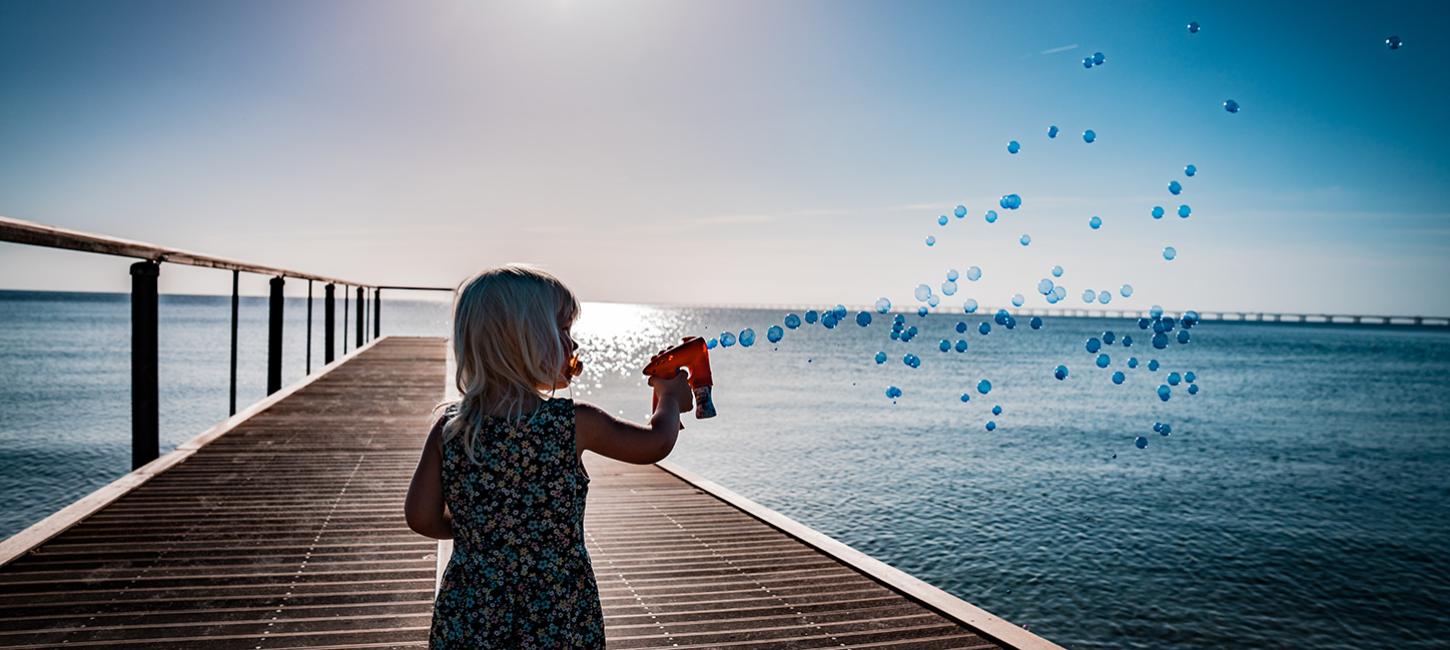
point(424, 508)
point(606, 435)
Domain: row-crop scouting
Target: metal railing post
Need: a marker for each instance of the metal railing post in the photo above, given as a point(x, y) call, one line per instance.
point(345, 297)
point(309, 327)
point(360, 317)
point(145, 384)
point(329, 319)
point(377, 312)
point(274, 336)
point(232, 404)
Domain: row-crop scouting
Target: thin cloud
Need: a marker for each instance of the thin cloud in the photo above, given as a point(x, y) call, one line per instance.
point(1064, 48)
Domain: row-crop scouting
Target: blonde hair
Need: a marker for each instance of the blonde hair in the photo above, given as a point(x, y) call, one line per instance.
point(508, 343)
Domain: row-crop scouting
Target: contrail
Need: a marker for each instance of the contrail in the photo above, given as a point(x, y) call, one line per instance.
point(1064, 48)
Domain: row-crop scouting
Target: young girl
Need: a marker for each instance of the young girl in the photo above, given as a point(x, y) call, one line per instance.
point(501, 472)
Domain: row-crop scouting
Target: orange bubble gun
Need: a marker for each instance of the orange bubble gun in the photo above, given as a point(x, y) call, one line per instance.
point(693, 356)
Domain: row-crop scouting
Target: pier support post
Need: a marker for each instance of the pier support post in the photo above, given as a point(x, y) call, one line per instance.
point(274, 336)
point(361, 318)
point(377, 312)
point(329, 320)
point(145, 385)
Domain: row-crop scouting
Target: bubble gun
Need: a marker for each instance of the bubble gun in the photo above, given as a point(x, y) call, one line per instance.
point(694, 356)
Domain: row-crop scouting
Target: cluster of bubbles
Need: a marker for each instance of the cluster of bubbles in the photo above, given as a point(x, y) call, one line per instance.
point(1010, 202)
point(1096, 59)
point(1162, 326)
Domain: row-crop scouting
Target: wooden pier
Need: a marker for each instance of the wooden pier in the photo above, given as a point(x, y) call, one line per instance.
point(282, 527)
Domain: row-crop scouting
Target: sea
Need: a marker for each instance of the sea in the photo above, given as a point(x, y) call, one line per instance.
point(1301, 498)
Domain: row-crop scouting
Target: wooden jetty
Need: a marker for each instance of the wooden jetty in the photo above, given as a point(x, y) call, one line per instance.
point(282, 527)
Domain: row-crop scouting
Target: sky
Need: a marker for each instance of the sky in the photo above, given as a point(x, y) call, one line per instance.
point(744, 152)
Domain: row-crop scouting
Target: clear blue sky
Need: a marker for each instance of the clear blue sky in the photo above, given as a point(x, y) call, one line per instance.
point(743, 152)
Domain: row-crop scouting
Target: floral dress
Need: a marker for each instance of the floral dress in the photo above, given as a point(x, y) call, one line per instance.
point(520, 576)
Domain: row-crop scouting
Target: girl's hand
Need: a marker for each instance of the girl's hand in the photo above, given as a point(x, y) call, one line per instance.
point(675, 390)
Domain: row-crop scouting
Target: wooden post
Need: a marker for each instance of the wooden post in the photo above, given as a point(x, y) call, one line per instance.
point(232, 407)
point(329, 323)
point(274, 336)
point(145, 384)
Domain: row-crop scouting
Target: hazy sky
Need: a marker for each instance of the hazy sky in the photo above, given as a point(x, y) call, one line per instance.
point(743, 152)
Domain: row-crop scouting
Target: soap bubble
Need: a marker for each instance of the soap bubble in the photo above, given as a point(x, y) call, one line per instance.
point(863, 318)
point(1155, 311)
point(1095, 222)
point(970, 306)
point(1190, 170)
point(1119, 377)
point(1173, 186)
point(1184, 211)
point(1153, 365)
point(1088, 296)
point(1105, 297)
point(1109, 337)
point(984, 328)
point(710, 344)
point(1126, 291)
point(883, 305)
point(1193, 389)
point(1093, 344)
point(1165, 429)
point(840, 311)
point(1103, 360)
point(923, 292)
point(941, 221)
point(984, 387)
point(1190, 377)
point(829, 320)
point(930, 240)
point(948, 288)
point(1052, 131)
point(727, 339)
point(1193, 27)
point(1157, 212)
point(1127, 341)
point(991, 426)
point(966, 397)
point(893, 392)
point(1013, 147)
point(1183, 336)
point(933, 301)
point(774, 334)
point(911, 332)
point(1060, 372)
point(1174, 378)
point(996, 409)
point(952, 275)
point(1164, 392)
point(991, 216)
point(961, 210)
point(1051, 298)
point(880, 358)
point(961, 345)
point(921, 311)
point(1060, 292)
point(1045, 286)
point(974, 273)
point(792, 321)
point(961, 327)
point(1169, 253)
point(1025, 239)
point(1010, 202)
point(1001, 317)
point(1087, 62)
point(1098, 58)
point(1017, 300)
point(1089, 136)
point(1035, 323)
point(1160, 341)
point(1394, 42)
point(1057, 271)
point(1140, 442)
point(1230, 106)
point(911, 360)
point(1132, 362)
point(811, 317)
point(944, 346)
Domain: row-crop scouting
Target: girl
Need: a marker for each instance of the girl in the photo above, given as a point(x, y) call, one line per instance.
point(501, 472)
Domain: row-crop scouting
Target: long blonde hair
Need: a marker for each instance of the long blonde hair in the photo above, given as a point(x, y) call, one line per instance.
point(509, 336)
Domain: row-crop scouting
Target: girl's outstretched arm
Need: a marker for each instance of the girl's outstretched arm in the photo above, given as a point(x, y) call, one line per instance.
point(607, 435)
point(424, 508)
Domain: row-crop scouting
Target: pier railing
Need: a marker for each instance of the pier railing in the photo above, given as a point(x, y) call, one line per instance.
point(145, 379)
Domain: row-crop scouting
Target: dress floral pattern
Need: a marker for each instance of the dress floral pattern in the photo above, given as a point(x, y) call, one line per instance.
point(520, 576)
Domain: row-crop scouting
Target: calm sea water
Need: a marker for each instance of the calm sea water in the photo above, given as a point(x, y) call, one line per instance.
point(1301, 499)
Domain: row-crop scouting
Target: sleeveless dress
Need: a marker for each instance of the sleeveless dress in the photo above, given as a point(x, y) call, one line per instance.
point(520, 576)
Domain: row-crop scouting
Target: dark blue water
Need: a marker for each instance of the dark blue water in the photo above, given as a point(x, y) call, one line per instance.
point(1300, 500)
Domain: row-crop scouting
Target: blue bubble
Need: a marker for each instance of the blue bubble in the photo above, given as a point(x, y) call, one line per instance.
point(1060, 372)
point(1089, 136)
point(1001, 317)
point(933, 301)
point(991, 216)
point(922, 292)
point(974, 273)
point(984, 387)
point(961, 345)
point(1127, 341)
point(996, 409)
point(1098, 58)
point(1010, 202)
point(893, 392)
point(883, 305)
point(966, 397)
point(774, 334)
point(1035, 323)
point(710, 344)
point(1193, 389)
point(991, 426)
point(930, 240)
point(1013, 147)
point(1174, 378)
point(941, 221)
point(1105, 297)
point(1190, 377)
point(952, 275)
point(1087, 62)
point(1190, 170)
point(948, 288)
point(1060, 292)
point(1051, 298)
point(1088, 296)
point(1193, 27)
point(1394, 42)
point(944, 345)
point(1184, 211)
point(970, 306)
point(1160, 341)
point(829, 320)
point(1132, 362)
point(811, 317)
point(1155, 311)
point(1095, 222)
point(1093, 345)
point(1230, 106)
point(727, 339)
point(1157, 212)
point(1119, 377)
point(1164, 429)
point(1052, 131)
point(911, 332)
point(1183, 336)
point(1169, 253)
point(792, 321)
point(1045, 286)
point(1143, 323)
point(1140, 442)
point(1175, 187)
point(1057, 271)
point(961, 210)
point(1025, 239)
point(1164, 392)
point(961, 326)
point(880, 358)
point(1126, 291)
point(921, 311)
point(984, 328)
point(1109, 337)
point(911, 360)
point(1103, 360)
point(863, 318)
point(1017, 300)
point(1153, 365)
